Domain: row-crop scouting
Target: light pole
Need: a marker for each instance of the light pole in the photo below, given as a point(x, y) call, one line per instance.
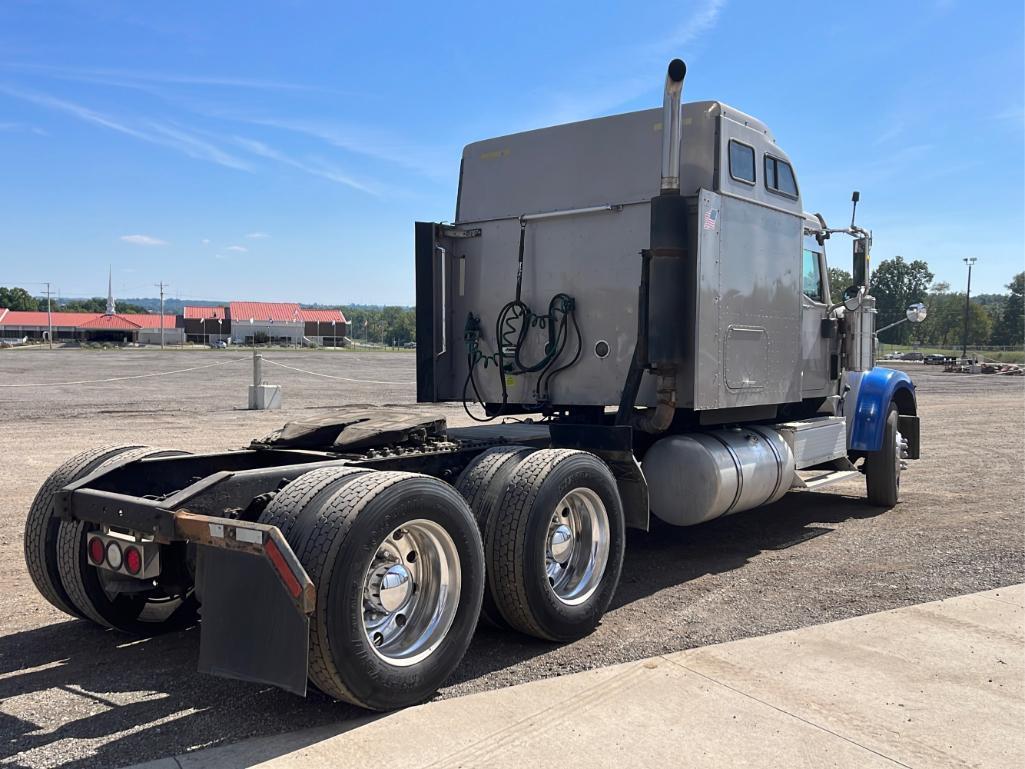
point(969, 260)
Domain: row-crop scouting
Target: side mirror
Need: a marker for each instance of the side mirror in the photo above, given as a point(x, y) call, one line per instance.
point(916, 312)
point(852, 297)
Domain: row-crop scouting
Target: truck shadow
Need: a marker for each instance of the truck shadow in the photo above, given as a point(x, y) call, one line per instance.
point(141, 699)
point(667, 556)
point(670, 555)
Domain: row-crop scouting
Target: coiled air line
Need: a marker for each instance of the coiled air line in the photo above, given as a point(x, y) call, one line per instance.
point(515, 320)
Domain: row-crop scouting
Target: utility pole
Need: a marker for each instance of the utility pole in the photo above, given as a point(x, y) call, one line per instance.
point(969, 260)
point(49, 318)
point(161, 285)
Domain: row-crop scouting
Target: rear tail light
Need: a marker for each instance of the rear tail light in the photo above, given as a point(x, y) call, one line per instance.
point(114, 555)
point(123, 553)
point(133, 560)
point(97, 548)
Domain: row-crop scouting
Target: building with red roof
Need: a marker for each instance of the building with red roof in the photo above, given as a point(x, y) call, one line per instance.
point(90, 327)
point(286, 323)
point(240, 322)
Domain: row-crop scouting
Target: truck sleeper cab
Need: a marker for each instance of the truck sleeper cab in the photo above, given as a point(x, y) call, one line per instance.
point(672, 332)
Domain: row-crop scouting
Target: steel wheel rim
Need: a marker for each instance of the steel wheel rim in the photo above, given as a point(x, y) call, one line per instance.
point(411, 592)
point(577, 546)
point(900, 454)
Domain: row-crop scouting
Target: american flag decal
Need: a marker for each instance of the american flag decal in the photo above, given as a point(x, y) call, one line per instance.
point(711, 218)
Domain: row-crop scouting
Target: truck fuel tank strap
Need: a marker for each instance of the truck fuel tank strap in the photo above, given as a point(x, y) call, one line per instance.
point(257, 539)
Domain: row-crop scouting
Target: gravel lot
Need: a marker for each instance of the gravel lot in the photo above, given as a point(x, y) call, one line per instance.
point(73, 695)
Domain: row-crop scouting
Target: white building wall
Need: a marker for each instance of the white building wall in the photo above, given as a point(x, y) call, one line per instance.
point(285, 332)
point(152, 335)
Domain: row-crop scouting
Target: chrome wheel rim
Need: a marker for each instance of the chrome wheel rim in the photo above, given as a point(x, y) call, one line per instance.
point(411, 592)
point(901, 455)
point(577, 546)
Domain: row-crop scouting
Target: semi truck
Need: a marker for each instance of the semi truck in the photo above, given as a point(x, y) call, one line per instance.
point(634, 311)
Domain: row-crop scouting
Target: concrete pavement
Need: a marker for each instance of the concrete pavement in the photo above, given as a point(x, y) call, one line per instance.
point(941, 684)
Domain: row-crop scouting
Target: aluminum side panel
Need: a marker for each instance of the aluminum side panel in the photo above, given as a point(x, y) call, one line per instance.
point(749, 300)
point(593, 258)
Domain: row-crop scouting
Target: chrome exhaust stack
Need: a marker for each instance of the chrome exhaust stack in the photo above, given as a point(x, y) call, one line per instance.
point(671, 126)
point(661, 346)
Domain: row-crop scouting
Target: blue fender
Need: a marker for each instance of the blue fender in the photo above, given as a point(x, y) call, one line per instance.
point(878, 388)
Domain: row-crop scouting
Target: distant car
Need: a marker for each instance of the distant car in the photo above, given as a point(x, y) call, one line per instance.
point(220, 344)
point(912, 356)
point(410, 345)
point(935, 359)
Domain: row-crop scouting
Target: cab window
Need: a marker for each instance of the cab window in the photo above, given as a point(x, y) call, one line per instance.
point(779, 177)
point(812, 276)
point(742, 162)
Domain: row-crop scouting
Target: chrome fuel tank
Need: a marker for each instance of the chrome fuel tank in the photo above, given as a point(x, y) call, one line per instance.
point(696, 477)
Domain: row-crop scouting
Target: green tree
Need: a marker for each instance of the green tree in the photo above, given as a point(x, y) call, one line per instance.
point(1008, 329)
point(15, 298)
point(944, 326)
point(96, 304)
point(896, 284)
point(839, 279)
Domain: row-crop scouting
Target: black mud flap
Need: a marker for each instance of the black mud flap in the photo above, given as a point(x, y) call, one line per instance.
point(910, 430)
point(251, 628)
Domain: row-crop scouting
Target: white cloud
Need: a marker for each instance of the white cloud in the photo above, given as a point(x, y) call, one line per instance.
point(257, 236)
point(372, 142)
point(313, 167)
point(205, 241)
point(132, 78)
point(143, 240)
point(149, 131)
point(239, 249)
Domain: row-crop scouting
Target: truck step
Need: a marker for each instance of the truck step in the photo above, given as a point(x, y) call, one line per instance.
point(815, 441)
point(818, 479)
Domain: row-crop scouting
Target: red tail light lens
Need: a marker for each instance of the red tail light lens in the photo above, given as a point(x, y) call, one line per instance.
point(133, 560)
point(96, 550)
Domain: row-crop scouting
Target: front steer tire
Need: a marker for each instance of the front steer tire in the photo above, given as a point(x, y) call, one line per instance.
point(882, 468)
point(339, 541)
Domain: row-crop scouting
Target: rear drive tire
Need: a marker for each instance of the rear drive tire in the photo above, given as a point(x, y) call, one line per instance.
point(556, 550)
point(304, 495)
point(882, 468)
point(482, 484)
point(43, 526)
point(93, 592)
point(399, 570)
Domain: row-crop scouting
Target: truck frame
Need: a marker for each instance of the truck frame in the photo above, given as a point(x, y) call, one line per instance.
point(687, 363)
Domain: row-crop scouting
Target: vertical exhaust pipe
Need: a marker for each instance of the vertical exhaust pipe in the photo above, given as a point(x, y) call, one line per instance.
point(671, 127)
point(661, 344)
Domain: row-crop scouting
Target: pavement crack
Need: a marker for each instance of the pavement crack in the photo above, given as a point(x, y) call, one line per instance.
point(784, 711)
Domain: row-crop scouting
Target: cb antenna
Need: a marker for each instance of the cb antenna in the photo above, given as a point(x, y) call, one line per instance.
point(855, 197)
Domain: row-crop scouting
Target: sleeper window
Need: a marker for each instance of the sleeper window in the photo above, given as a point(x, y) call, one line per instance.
point(779, 176)
point(742, 162)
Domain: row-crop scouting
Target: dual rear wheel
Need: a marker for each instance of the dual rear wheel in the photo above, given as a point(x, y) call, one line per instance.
point(398, 560)
point(554, 535)
point(55, 554)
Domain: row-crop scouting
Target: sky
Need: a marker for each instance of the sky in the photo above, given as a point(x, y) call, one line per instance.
point(281, 151)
